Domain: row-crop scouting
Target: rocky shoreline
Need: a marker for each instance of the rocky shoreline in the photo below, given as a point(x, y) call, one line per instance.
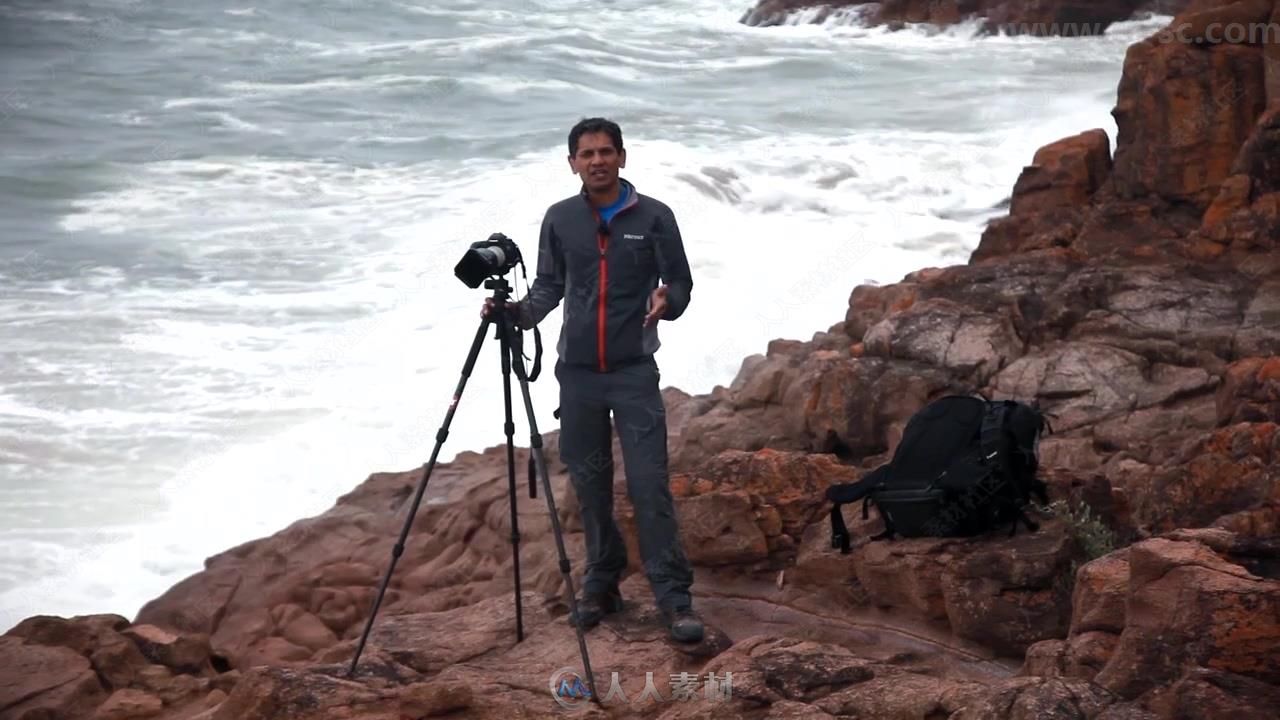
point(1071, 18)
point(1134, 295)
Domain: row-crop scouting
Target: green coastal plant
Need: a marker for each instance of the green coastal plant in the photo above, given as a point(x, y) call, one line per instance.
point(1091, 535)
point(1090, 532)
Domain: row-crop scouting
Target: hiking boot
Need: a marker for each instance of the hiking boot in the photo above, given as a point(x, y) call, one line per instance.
point(684, 624)
point(593, 606)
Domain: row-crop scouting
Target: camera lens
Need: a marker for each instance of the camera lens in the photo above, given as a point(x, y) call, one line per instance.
point(494, 256)
point(477, 264)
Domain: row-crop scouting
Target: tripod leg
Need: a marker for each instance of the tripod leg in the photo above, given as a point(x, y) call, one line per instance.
point(535, 447)
point(510, 429)
point(441, 434)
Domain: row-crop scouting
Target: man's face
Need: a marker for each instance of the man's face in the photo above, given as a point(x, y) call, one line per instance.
point(597, 162)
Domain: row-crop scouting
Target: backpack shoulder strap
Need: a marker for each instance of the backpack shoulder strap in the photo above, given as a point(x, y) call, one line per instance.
point(839, 531)
point(844, 494)
point(992, 427)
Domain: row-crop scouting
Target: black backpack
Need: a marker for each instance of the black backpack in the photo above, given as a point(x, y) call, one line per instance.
point(965, 466)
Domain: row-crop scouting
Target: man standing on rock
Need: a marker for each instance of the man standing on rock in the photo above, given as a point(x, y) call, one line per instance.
point(604, 251)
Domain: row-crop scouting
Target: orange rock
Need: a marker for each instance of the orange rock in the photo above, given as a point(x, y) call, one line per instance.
point(186, 653)
point(791, 483)
point(869, 304)
point(998, 591)
point(1098, 601)
point(306, 630)
point(1269, 371)
point(1250, 391)
point(1220, 22)
point(1188, 605)
point(1206, 250)
point(1065, 173)
point(129, 704)
point(41, 681)
point(1182, 114)
point(1233, 195)
point(1024, 234)
point(1080, 657)
point(1259, 157)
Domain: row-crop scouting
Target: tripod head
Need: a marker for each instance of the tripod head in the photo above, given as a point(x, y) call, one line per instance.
point(502, 316)
point(500, 287)
point(497, 304)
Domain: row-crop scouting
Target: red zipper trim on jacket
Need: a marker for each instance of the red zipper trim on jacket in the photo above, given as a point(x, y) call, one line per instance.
point(602, 241)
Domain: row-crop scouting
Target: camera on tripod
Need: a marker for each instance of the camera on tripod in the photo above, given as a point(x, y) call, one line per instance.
point(488, 261)
point(485, 258)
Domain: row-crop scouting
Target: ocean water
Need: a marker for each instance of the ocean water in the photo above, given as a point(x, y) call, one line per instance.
point(227, 230)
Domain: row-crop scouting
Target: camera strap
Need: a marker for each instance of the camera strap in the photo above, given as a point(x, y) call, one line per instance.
point(537, 335)
point(537, 355)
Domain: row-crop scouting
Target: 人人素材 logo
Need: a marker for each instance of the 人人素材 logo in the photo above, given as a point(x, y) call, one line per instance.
point(571, 691)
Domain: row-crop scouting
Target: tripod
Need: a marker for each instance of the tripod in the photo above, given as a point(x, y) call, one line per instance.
point(510, 347)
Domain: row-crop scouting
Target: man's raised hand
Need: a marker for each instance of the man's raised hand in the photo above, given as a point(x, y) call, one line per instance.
point(657, 305)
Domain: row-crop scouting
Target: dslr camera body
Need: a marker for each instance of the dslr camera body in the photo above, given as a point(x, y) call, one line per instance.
point(494, 256)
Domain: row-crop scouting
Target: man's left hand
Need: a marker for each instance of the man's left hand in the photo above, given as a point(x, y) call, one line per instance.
point(657, 305)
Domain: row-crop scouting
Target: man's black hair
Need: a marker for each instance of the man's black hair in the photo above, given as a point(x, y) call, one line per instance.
point(595, 125)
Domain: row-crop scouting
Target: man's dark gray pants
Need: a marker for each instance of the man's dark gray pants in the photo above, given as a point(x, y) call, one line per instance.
point(632, 394)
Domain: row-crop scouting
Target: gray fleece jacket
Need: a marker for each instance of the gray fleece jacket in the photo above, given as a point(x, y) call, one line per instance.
point(605, 274)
